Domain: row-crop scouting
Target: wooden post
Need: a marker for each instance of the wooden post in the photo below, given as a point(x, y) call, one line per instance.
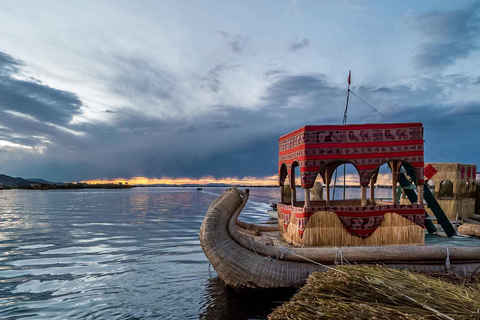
point(293, 187)
point(363, 202)
point(394, 168)
point(307, 198)
point(420, 193)
point(372, 192)
point(327, 182)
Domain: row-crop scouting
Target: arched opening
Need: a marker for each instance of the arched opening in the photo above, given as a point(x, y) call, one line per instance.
point(283, 174)
point(284, 187)
point(382, 184)
point(385, 185)
point(345, 183)
point(446, 190)
point(297, 177)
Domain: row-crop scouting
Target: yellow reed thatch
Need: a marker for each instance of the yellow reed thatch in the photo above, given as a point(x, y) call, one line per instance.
point(463, 208)
point(452, 172)
point(376, 292)
point(325, 229)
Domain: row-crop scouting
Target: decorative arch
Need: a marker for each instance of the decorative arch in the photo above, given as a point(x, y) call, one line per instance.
point(282, 174)
point(404, 163)
point(321, 149)
point(294, 164)
point(446, 189)
point(333, 165)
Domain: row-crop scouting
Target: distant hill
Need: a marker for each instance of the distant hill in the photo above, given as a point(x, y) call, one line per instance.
point(13, 182)
point(38, 180)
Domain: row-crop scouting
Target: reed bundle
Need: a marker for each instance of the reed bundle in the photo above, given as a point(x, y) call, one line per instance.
point(470, 229)
point(461, 208)
point(376, 292)
point(325, 229)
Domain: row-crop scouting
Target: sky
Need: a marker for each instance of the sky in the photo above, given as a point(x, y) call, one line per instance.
point(202, 90)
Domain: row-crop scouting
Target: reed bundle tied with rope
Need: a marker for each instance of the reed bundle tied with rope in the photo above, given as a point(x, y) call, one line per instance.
point(376, 292)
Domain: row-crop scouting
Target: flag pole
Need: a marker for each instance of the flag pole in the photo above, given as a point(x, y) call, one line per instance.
point(345, 122)
point(349, 81)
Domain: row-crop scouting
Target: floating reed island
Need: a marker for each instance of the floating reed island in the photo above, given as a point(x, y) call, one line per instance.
point(375, 292)
point(316, 234)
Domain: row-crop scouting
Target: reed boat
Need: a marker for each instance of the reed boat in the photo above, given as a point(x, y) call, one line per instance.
point(254, 256)
point(316, 235)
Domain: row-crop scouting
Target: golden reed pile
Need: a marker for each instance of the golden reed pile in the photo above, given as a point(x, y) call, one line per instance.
point(376, 292)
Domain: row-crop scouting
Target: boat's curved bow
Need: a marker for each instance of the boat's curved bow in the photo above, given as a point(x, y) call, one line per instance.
point(235, 264)
point(242, 262)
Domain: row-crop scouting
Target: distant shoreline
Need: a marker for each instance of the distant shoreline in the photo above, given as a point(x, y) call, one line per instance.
point(123, 187)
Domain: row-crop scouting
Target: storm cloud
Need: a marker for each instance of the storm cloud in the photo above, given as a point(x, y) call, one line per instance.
point(448, 36)
point(202, 102)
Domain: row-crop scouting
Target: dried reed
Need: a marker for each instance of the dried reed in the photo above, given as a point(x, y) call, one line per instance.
point(377, 292)
point(325, 229)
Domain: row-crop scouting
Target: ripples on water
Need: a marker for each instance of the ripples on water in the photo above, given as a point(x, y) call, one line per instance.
point(116, 254)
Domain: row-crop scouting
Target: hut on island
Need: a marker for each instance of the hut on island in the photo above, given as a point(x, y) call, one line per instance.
point(453, 185)
point(318, 151)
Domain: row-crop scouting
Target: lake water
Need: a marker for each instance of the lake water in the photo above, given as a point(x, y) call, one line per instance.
point(120, 254)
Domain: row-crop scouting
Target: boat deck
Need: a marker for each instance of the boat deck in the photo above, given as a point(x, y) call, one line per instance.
point(439, 239)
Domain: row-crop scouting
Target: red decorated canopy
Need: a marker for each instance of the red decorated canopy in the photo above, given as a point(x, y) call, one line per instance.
point(320, 149)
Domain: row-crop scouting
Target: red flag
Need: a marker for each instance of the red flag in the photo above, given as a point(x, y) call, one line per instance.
point(349, 77)
point(430, 171)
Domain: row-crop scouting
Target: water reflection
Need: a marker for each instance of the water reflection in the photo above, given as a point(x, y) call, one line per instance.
point(222, 302)
point(115, 254)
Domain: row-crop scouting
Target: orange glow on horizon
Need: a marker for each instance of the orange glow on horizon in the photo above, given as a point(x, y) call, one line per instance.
point(351, 180)
point(254, 181)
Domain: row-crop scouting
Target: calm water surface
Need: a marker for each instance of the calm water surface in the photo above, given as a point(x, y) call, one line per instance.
point(120, 254)
point(116, 254)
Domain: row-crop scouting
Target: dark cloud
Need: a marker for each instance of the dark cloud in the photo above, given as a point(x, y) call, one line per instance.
point(143, 82)
point(212, 80)
point(447, 36)
point(302, 91)
point(34, 99)
point(224, 140)
point(298, 44)
point(235, 42)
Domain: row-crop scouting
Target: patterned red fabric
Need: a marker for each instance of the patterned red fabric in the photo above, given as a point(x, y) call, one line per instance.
point(359, 221)
point(430, 171)
point(366, 146)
